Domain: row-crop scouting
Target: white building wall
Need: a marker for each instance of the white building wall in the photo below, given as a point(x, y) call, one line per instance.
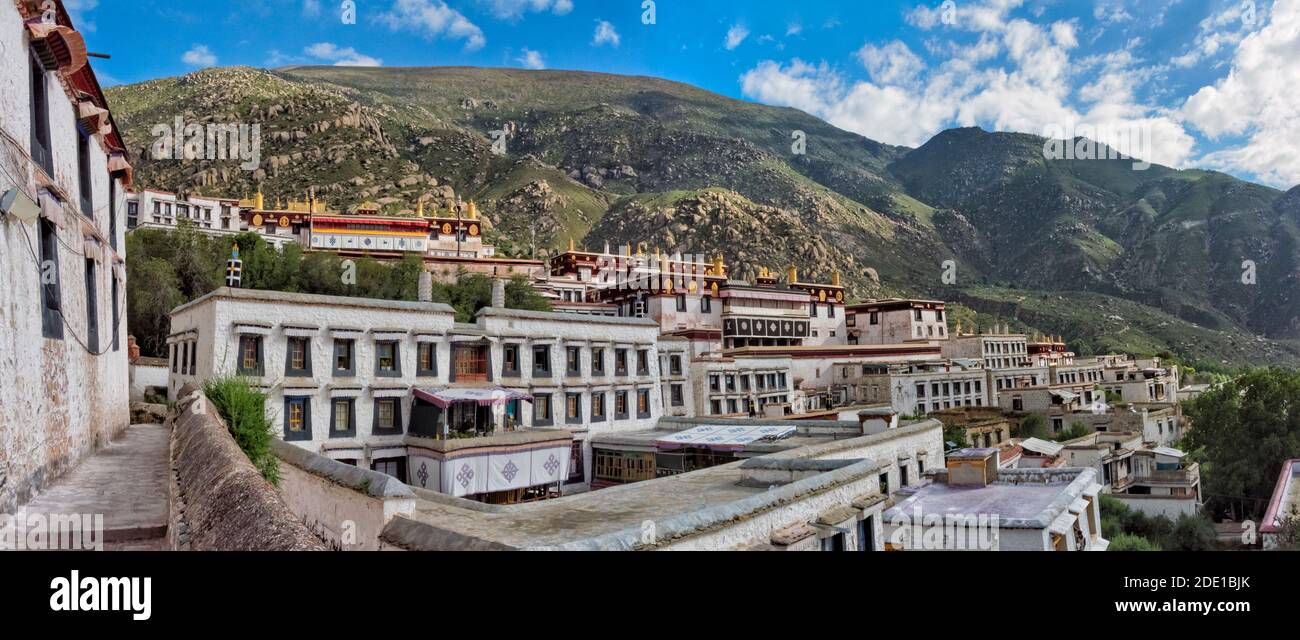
point(58, 401)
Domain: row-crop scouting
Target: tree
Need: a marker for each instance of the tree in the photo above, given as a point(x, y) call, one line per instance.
point(1033, 426)
point(955, 434)
point(1246, 428)
point(1288, 535)
point(1129, 542)
point(1192, 533)
point(1076, 430)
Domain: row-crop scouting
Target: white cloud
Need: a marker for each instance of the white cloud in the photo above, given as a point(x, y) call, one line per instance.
point(605, 34)
point(433, 19)
point(311, 8)
point(531, 59)
point(893, 63)
point(515, 9)
point(1016, 76)
point(1258, 99)
point(199, 56)
point(736, 35)
point(341, 57)
point(1217, 33)
point(793, 29)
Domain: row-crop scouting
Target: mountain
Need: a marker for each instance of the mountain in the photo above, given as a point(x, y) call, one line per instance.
point(602, 158)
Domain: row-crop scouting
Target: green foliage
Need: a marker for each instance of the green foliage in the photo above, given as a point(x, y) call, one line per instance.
point(1245, 429)
point(1131, 530)
point(1288, 535)
point(243, 408)
point(955, 434)
point(166, 269)
point(1033, 426)
point(1129, 542)
point(1076, 430)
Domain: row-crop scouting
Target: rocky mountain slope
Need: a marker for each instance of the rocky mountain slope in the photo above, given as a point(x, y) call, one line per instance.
point(552, 156)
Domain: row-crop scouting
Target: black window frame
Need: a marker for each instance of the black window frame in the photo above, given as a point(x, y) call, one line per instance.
point(649, 409)
point(117, 313)
point(620, 355)
point(42, 149)
point(643, 362)
point(542, 366)
point(603, 415)
point(507, 371)
point(681, 303)
point(396, 371)
point(92, 307)
point(289, 370)
point(351, 371)
point(598, 361)
point(398, 424)
point(577, 398)
point(51, 293)
point(420, 370)
point(621, 397)
point(351, 431)
point(85, 183)
point(706, 304)
point(549, 419)
point(675, 365)
point(259, 369)
point(572, 361)
point(677, 395)
point(305, 434)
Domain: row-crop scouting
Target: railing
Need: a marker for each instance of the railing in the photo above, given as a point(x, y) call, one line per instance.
point(1187, 475)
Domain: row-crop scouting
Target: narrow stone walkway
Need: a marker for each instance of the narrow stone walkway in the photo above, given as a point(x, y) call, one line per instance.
point(126, 482)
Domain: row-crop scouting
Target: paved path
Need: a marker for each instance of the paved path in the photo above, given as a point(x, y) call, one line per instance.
point(126, 481)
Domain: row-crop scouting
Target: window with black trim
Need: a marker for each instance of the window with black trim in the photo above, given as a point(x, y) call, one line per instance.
point(510, 364)
point(117, 314)
point(572, 361)
point(388, 359)
point(426, 360)
point(706, 304)
point(250, 356)
point(643, 362)
point(395, 467)
point(573, 408)
point(643, 403)
point(51, 287)
point(542, 414)
point(92, 308)
point(42, 151)
point(344, 366)
point(388, 416)
point(678, 398)
point(194, 356)
point(298, 357)
point(620, 362)
point(542, 360)
point(297, 418)
point(598, 406)
point(681, 302)
point(84, 184)
point(343, 418)
point(598, 362)
point(620, 405)
point(675, 365)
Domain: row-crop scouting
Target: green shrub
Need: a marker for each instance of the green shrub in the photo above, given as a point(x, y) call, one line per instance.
point(1130, 542)
point(244, 410)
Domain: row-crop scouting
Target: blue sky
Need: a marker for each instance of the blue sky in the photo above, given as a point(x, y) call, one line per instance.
point(1205, 83)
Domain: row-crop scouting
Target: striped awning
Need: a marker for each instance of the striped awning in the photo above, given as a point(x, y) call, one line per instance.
point(482, 396)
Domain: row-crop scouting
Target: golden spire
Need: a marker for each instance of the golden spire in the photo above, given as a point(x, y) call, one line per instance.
point(835, 278)
point(419, 207)
point(258, 203)
point(473, 210)
point(718, 267)
point(571, 244)
point(794, 274)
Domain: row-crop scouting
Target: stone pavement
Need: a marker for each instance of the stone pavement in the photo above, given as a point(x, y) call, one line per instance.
point(126, 481)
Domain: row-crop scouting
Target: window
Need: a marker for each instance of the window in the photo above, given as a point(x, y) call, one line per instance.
point(830, 310)
point(867, 534)
point(572, 361)
point(542, 360)
point(643, 403)
point(92, 309)
point(175, 356)
point(395, 467)
point(185, 358)
point(598, 362)
point(84, 183)
point(42, 152)
point(1017, 404)
point(833, 543)
point(681, 302)
point(117, 314)
point(342, 418)
point(112, 212)
point(388, 363)
point(714, 384)
point(577, 472)
point(874, 318)
point(643, 362)
point(675, 365)
point(902, 474)
point(920, 390)
point(620, 405)
point(812, 310)
point(194, 357)
point(542, 410)
point(51, 290)
point(510, 366)
point(715, 407)
point(744, 380)
point(884, 483)
point(573, 408)
point(299, 358)
point(620, 362)
point(677, 397)
point(918, 313)
point(250, 356)
point(343, 353)
point(297, 418)
point(426, 360)
point(598, 406)
point(388, 416)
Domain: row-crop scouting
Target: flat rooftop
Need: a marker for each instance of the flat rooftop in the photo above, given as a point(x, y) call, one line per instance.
point(1286, 497)
point(1021, 498)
